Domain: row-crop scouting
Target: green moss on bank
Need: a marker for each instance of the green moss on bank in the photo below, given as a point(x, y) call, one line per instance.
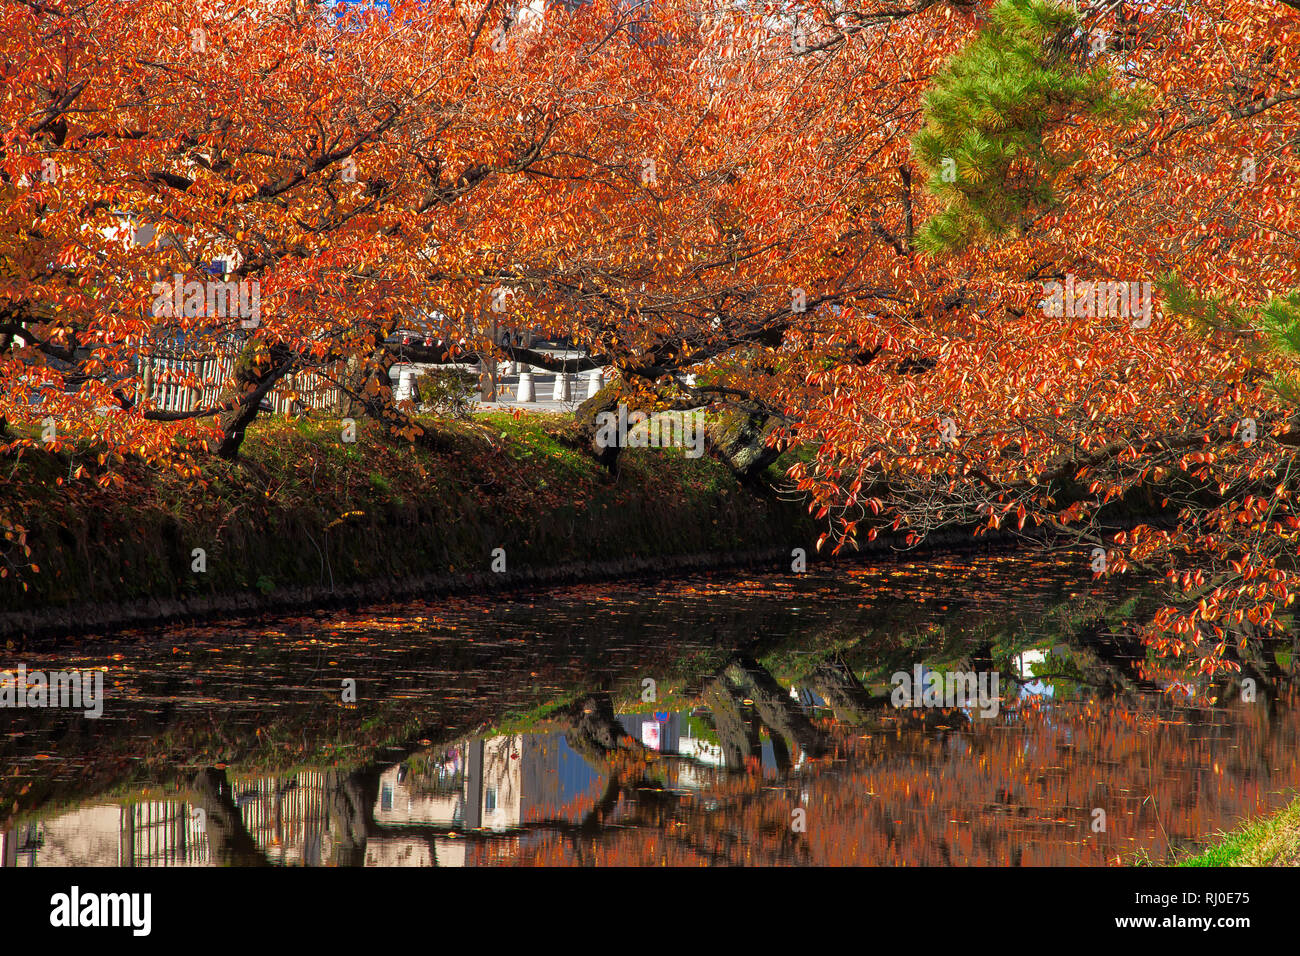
point(305, 509)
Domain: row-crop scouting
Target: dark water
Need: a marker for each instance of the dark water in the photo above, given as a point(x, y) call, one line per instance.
point(715, 719)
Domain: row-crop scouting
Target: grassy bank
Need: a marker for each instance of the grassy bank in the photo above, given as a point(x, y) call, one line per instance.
point(1272, 841)
point(306, 515)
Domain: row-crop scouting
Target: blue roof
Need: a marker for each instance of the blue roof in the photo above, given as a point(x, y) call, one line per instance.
point(348, 8)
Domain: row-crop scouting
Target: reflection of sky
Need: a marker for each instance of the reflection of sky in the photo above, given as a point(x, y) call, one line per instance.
point(1037, 688)
point(806, 697)
point(574, 776)
point(1040, 692)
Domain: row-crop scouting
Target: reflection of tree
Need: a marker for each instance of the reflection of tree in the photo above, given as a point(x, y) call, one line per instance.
point(981, 794)
point(1254, 651)
point(352, 798)
point(775, 708)
point(1016, 791)
point(1110, 661)
point(737, 734)
point(641, 790)
point(592, 729)
point(914, 786)
point(229, 841)
point(836, 683)
point(440, 692)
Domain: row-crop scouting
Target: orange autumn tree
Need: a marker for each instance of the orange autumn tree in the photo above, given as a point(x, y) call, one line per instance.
point(693, 186)
point(1074, 163)
point(727, 233)
point(350, 167)
point(639, 177)
point(353, 167)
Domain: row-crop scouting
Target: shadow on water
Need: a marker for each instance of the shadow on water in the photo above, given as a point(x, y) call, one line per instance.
point(716, 719)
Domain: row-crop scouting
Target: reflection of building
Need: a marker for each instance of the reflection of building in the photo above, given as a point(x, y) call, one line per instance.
point(661, 735)
point(436, 798)
point(498, 784)
point(149, 833)
point(157, 833)
point(287, 816)
point(1026, 661)
point(399, 851)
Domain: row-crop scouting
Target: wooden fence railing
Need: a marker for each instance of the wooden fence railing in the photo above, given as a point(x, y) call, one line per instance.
point(185, 382)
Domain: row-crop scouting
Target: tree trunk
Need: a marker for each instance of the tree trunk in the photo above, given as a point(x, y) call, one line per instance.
point(349, 407)
point(774, 706)
point(228, 839)
point(836, 683)
point(254, 376)
point(739, 438)
point(606, 400)
point(737, 735)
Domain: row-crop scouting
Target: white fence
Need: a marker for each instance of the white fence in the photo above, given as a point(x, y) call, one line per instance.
point(186, 382)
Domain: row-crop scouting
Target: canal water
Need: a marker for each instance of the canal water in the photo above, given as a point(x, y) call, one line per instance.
point(715, 719)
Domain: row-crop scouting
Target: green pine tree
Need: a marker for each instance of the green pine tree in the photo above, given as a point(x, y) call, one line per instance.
point(1269, 335)
point(989, 110)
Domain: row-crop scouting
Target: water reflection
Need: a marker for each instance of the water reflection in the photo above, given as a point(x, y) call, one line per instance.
point(477, 747)
point(1016, 790)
